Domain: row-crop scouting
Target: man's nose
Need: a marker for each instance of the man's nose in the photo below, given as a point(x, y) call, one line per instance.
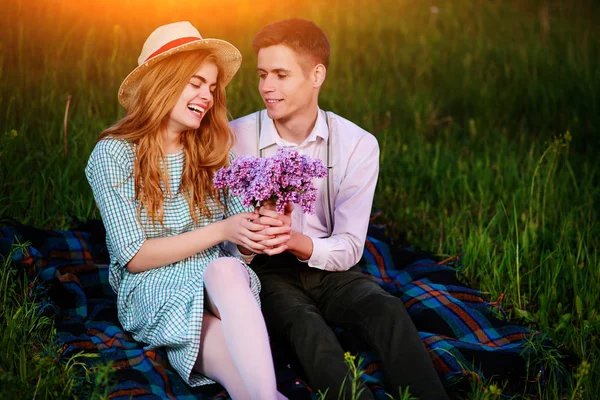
point(267, 84)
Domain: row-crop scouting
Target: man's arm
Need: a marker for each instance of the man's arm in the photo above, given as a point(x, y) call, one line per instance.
point(353, 202)
point(352, 210)
point(300, 245)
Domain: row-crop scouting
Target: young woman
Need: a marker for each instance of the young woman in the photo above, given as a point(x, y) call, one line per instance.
point(176, 244)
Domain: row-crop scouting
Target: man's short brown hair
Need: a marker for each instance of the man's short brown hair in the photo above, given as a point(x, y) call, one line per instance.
point(300, 35)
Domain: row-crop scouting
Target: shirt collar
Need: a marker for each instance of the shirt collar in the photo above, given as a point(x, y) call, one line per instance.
point(269, 135)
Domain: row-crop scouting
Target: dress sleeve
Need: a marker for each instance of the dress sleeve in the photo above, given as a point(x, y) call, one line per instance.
point(110, 174)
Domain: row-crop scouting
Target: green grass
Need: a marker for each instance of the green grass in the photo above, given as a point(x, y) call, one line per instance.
point(30, 362)
point(487, 114)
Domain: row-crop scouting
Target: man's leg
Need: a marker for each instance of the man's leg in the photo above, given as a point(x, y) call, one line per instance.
point(351, 300)
point(292, 316)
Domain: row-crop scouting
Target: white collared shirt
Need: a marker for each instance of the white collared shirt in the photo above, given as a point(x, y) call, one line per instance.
point(355, 154)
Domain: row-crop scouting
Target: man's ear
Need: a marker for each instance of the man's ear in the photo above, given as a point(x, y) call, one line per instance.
point(318, 75)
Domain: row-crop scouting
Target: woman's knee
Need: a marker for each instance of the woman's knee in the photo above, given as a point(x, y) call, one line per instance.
point(226, 270)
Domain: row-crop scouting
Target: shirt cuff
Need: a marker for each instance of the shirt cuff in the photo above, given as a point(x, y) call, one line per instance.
point(233, 249)
point(318, 258)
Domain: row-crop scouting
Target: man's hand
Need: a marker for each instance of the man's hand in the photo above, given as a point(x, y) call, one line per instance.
point(296, 243)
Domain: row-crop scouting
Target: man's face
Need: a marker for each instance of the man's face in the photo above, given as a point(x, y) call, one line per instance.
point(284, 85)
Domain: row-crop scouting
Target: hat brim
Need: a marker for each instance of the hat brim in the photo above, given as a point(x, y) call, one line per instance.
point(228, 57)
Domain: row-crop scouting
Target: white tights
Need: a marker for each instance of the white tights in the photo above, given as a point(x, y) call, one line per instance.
point(234, 347)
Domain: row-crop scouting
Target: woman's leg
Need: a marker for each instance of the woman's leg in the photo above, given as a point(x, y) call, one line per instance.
point(215, 361)
point(243, 326)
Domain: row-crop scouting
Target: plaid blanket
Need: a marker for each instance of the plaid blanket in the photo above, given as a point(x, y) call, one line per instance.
point(466, 335)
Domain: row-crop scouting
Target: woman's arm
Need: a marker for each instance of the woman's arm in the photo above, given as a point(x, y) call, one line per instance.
point(110, 173)
point(158, 252)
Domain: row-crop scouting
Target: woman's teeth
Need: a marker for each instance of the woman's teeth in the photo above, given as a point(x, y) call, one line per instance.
point(196, 108)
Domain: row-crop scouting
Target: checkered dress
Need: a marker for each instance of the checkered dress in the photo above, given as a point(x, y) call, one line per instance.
point(162, 307)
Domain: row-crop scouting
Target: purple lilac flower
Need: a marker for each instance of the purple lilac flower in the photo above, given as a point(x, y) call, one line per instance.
point(285, 177)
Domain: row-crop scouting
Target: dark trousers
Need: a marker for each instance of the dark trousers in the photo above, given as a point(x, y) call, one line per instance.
point(300, 303)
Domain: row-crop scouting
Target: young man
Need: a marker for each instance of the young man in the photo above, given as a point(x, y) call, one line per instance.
point(315, 283)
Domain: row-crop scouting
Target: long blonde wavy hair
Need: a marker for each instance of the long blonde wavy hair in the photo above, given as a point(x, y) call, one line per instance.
point(206, 149)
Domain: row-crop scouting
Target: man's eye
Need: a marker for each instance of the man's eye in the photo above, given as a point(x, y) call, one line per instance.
point(281, 76)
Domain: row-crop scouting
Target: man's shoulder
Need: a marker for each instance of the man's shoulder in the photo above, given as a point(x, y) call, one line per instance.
point(244, 129)
point(351, 131)
point(245, 123)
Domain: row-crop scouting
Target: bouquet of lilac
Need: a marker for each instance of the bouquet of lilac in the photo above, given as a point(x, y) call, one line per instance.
point(285, 177)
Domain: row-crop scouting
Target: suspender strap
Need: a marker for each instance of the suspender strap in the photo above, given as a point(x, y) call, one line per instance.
point(328, 192)
point(258, 129)
point(328, 189)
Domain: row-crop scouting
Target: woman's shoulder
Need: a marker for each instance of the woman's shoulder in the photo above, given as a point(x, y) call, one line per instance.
point(114, 146)
point(119, 150)
point(111, 151)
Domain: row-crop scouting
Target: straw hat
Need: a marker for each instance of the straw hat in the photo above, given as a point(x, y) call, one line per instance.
point(173, 38)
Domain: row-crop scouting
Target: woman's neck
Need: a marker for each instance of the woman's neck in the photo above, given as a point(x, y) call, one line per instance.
point(171, 142)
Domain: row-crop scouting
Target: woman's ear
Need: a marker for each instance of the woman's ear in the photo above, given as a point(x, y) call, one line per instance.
point(318, 75)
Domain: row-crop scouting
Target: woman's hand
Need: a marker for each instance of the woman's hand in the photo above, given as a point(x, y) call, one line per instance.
point(246, 230)
point(276, 223)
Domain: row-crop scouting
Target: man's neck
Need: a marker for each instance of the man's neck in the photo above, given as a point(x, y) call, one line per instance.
point(297, 128)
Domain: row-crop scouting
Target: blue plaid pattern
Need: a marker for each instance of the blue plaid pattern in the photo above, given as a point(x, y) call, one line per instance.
point(463, 332)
